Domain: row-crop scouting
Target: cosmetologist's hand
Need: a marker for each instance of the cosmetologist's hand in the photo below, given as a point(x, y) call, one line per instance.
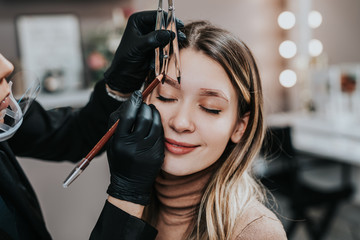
point(131, 63)
point(136, 150)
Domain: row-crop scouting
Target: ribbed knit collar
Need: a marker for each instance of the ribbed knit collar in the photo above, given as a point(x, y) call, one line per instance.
point(179, 197)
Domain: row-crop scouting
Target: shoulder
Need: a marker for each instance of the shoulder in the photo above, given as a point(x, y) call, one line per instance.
point(258, 222)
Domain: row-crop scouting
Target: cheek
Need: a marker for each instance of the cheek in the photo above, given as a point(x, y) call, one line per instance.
point(216, 135)
point(218, 129)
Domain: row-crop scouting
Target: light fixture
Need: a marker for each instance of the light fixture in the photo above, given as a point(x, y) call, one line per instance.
point(315, 47)
point(314, 19)
point(286, 20)
point(287, 49)
point(287, 78)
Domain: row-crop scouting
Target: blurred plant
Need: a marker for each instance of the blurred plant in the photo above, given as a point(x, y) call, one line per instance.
point(101, 44)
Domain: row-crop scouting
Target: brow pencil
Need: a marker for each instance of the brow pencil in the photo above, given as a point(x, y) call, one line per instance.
point(80, 167)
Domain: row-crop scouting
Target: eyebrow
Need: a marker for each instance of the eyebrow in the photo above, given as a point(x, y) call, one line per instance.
point(213, 93)
point(172, 82)
point(203, 91)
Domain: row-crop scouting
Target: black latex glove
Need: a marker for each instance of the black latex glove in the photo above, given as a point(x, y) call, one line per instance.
point(136, 150)
point(131, 63)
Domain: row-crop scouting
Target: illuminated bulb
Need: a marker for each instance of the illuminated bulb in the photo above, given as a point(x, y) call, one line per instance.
point(286, 20)
point(287, 49)
point(315, 47)
point(287, 78)
point(314, 19)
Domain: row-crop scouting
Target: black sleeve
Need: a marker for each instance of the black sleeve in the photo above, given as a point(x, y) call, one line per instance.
point(64, 133)
point(114, 223)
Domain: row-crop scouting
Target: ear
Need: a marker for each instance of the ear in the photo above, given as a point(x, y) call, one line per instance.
point(240, 129)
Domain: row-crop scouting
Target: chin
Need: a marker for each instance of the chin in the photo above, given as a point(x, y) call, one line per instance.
point(176, 168)
point(174, 172)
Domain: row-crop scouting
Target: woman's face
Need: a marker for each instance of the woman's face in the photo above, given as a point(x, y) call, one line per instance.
point(199, 116)
point(6, 69)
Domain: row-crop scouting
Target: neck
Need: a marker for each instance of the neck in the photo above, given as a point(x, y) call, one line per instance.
point(180, 196)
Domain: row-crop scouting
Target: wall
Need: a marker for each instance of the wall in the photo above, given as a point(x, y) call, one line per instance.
point(91, 16)
point(340, 31)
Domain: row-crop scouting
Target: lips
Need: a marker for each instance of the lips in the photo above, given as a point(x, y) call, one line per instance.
point(179, 148)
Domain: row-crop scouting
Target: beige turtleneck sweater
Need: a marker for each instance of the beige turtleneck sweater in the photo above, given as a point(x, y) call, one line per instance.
point(179, 196)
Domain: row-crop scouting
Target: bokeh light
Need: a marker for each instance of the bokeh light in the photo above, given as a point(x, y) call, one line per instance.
point(315, 47)
point(287, 49)
point(287, 78)
point(286, 20)
point(314, 19)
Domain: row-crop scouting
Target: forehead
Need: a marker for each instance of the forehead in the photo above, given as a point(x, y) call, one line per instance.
point(199, 71)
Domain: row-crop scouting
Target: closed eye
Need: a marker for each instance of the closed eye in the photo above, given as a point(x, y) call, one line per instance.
point(163, 99)
point(212, 111)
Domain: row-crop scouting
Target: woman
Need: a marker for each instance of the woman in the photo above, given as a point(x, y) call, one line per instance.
point(213, 129)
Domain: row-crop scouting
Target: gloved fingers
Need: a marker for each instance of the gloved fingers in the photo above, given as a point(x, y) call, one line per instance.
point(143, 122)
point(128, 113)
point(152, 40)
point(181, 36)
point(156, 129)
point(145, 21)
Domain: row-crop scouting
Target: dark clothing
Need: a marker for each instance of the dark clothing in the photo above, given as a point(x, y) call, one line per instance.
point(24, 217)
point(54, 135)
point(115, 224)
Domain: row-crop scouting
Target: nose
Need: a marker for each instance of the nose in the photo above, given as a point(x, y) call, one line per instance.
point(6, 67)
point(182, 118)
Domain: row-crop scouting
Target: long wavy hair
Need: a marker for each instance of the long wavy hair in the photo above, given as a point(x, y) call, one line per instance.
point(232, 186)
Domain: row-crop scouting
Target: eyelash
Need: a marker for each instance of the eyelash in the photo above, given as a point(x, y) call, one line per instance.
point(211, 111)
point(161, 98)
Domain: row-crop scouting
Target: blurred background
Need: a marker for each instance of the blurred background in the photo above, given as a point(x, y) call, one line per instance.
point(309, 60)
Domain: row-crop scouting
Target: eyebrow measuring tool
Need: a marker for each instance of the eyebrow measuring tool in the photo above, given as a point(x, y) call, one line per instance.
point(171, 26)
point(161, 62)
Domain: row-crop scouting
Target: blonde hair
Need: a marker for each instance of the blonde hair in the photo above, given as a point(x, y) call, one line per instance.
point(232, 186)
